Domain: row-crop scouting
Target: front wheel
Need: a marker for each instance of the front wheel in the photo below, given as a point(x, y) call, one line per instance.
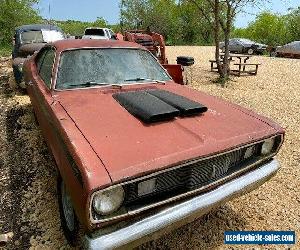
point(68, 217)
point(273, 54)
point(250, 51)
point(17, 75)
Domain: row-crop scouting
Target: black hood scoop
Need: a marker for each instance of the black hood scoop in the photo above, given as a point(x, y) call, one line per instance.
point(186, 106)
point(157, 105)
point(146, 107)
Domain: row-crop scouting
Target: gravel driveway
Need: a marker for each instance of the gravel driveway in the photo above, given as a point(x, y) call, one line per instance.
point(27, 175)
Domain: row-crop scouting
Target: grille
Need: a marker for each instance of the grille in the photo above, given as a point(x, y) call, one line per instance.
point(189, 176)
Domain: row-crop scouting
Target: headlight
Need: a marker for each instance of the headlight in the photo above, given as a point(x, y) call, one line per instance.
point(108, 201)
point(267, 146)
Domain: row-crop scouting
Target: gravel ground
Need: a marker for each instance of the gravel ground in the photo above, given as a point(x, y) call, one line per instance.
point(27, 175)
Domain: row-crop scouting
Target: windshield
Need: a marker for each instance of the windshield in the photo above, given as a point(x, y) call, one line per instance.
point(108, 66)
point(94, 32)
point(295, 44)
point(41, 36)
point(243, 40)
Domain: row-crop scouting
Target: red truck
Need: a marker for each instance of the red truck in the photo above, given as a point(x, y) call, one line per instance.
point(154, 42)
point(137, 153)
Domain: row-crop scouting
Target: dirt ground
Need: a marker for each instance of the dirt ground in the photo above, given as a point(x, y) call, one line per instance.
point(28, 200)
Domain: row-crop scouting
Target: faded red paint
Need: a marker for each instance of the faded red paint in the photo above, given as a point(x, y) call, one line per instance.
point(175, 70)
point(109, 145)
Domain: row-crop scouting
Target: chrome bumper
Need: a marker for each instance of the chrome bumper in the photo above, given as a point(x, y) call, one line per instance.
point(153, 226)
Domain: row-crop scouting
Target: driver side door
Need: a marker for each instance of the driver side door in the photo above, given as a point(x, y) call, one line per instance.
point(39, 89)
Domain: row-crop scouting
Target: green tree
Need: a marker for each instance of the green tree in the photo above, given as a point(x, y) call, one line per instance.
point(74, 28)
point(14, 13)
point(159, 15)
point(193, 28)
point(223, 14)
point(268, 28)
point(293, 21)
point(273, 29)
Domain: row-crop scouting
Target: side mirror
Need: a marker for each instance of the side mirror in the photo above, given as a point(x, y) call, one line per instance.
point(185, 60)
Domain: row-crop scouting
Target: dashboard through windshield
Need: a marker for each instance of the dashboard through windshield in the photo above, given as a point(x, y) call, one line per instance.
point(107, 66)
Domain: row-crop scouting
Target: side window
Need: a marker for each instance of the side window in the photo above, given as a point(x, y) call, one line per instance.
point(39, 59)
point(46, 66)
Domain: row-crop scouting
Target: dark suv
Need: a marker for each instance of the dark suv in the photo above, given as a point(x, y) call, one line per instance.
point(27, 40)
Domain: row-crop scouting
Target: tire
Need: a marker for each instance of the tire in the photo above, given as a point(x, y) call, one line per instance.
point(17, 75)
point(250, 51)
point(273, 54)
point(69, 222)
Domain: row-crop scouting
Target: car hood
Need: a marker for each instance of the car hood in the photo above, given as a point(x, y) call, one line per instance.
point(94, 37)
point(261, 45)
point(129, 148)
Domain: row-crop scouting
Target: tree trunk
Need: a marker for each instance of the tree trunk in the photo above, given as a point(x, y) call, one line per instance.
point(226, 66)
point(217, 37)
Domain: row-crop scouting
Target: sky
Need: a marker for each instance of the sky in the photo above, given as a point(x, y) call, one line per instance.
point(89, 10)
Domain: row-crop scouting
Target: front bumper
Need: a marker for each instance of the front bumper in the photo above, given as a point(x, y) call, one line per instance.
point(261, 49)
point(170, 218)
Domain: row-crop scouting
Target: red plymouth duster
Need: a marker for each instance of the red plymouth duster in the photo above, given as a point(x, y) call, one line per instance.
point(137, 153)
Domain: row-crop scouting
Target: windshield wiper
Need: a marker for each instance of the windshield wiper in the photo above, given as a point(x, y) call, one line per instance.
point(144, 79)
point(92, 83)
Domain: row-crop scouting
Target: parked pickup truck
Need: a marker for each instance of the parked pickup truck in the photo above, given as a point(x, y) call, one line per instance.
point(99, 33)
point(137, 153)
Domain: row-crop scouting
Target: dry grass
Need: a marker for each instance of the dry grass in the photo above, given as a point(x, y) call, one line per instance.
point(28, 193)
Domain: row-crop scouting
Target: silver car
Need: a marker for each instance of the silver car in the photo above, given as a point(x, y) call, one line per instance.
point(288, 50)
point(244, 46)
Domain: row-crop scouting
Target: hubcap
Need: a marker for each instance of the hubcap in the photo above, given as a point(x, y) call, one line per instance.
point(67, 208)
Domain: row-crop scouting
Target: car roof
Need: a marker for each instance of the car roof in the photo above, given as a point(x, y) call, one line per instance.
point(294, 42)
point(37, 27)
point(92, 43)
point(96, 28)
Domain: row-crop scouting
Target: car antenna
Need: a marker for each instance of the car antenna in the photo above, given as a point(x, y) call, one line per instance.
point(49, 13)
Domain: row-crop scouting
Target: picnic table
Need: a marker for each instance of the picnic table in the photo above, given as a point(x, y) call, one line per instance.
point(242, 64)
point(242, 58)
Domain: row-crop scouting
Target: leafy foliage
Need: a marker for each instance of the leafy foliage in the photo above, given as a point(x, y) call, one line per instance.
point(273, 29)
point(178, 21)
point(5, 50)
point(293, 27)
point(14, 13)
point(73, 28)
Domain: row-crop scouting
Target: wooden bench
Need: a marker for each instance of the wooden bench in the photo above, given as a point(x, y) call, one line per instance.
point(212, 62)
point(242, 68)
point(215, 68)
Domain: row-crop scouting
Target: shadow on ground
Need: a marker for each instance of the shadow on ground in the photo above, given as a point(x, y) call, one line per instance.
point(27, 159)
point(205, 233)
